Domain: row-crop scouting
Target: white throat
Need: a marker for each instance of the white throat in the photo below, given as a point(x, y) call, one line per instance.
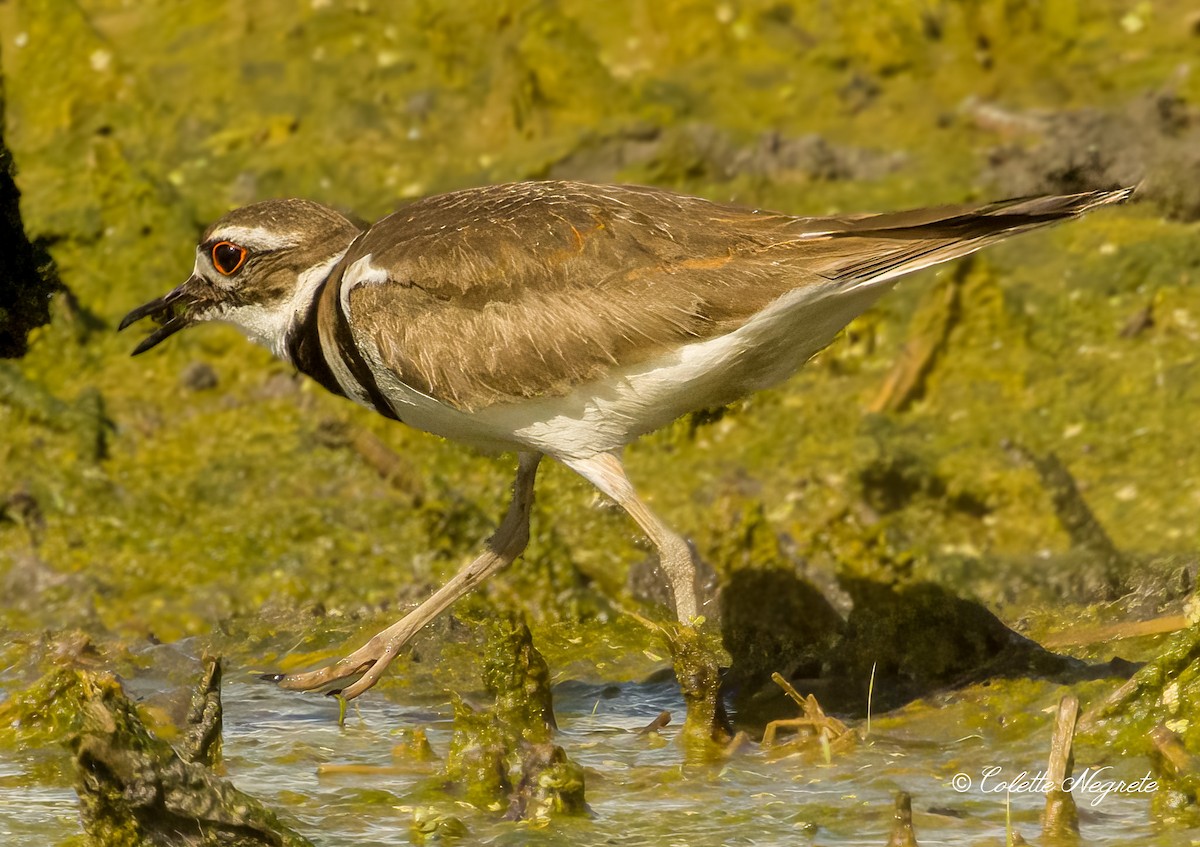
point(269, 325)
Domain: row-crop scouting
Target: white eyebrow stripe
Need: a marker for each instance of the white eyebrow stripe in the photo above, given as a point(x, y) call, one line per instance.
point(255, 238)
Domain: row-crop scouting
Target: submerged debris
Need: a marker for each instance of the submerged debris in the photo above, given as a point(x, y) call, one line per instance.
point(902, 826)
point(813, 724)
point(504, 754)
point(134, 789)
point(414, 747)
point(660, 722)
point(412, 753)
point(1060, 819)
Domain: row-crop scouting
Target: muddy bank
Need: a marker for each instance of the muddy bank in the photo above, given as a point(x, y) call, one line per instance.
point(206, 497)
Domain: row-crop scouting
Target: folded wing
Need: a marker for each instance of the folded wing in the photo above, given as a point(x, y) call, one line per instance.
point(498, 294)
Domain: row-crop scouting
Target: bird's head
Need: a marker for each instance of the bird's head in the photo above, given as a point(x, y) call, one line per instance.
point(258, 268)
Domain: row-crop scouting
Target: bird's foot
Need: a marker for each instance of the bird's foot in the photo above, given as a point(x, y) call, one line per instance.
point(367, 663)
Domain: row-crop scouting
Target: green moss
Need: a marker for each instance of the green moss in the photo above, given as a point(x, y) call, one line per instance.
point(220, 514)
point(1165, 691)
point(696, 654)
point(478, 758)
point(517, 676)
point(47, 713)
point(502, 755)
point(568, 75)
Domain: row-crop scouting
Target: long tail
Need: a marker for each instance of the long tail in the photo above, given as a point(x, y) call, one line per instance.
point(909, 241)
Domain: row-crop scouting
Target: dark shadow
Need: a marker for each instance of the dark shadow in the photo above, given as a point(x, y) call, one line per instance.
point(920, 639)
point(27, 277)
point(772, 621)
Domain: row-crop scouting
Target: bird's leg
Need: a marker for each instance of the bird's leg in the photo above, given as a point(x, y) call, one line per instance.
point(606, 473)
point(694, 653)
point(372, 659)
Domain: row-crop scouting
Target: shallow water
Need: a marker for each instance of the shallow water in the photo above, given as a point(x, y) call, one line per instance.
point(640, 788)
point(133, 123)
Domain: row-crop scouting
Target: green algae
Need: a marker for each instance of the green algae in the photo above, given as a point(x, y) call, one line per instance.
point(1157, 713)
point(218, 514)
point(201, 440)
point(48, 712)
point(696, 653)
point(1165, 691)
point(431, 825)
point(503, 754)
point(134, 789)
point(517, 676)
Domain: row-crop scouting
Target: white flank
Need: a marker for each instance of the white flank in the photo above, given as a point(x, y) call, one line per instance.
point(607, 414)
point(610, 413)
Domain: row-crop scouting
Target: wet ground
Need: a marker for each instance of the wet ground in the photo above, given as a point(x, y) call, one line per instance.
point(639, 787)
point(203, 497)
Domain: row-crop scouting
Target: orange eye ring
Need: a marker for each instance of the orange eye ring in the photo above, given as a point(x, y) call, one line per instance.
point(228, 257)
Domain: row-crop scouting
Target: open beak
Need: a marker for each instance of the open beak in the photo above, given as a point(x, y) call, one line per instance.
point(173, 311)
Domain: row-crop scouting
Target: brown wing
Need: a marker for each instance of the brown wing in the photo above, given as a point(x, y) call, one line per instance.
point(508, 292)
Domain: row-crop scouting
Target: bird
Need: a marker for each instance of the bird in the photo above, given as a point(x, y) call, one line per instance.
point(561, 319)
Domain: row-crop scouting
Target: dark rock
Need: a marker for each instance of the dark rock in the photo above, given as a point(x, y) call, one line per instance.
point(1154, 139)
point(551, 784)
point(202, 727)
point(27, 274)
point(702, 149)
point(133, 788)
point(199, 376)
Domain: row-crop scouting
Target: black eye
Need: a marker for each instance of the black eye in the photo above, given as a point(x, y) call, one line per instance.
point(227, 257)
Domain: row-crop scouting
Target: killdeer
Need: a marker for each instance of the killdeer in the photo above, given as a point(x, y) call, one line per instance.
point(557, 319)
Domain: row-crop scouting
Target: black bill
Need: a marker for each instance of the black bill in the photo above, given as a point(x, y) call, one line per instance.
point(172, 311)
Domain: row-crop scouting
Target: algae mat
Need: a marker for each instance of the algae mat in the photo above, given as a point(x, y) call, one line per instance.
point(203, 497)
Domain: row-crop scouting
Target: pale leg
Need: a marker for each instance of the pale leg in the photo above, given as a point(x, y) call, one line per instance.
point(372, 659)
point(606, 473)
